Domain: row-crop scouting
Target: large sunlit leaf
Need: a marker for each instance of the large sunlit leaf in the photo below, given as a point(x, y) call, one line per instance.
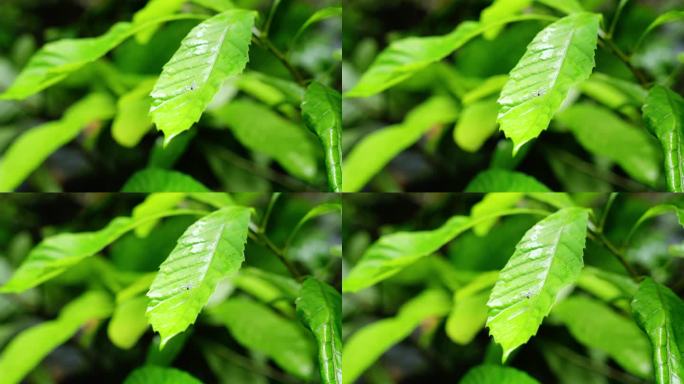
point(320, 308)
point(596, 325)
point(496, 374)
point(161, 180)
point(373, 153)
point(322, 114)
point(660, 313)
point(33, 147)
point(603, 133)
point(559, 57)
point(132, 121)
point(152, 374)
point(209, 250)
point(31, 346)
point(262, 130)
point(547, 259)
point(664, 115)
point(257, 327)
point(394, 252)
point(403, 58)
point(56, 254)
point(500, 180)
point(213, 51)
point(365, 346)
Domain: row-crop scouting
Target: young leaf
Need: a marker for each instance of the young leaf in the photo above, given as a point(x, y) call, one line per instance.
point(499, 180)
point(660, 313)
point(149, 374)
point(261, 130)
point(210, 249)
point(320, 15)
point(160, 180)
point(320, 308)
point(132, 121)
point(213, 51)
point(546, 260)
point(596, 325)
point(365, 346)
point(601, 132)
point(377, 149)
point(664, 115)
point(496, 374)
point(559, 57)
point(31, 346)
point(654, 212)
point(56, 254)
point(322, 114)
point(257, 327)
point(476, 124)
point(128, 322)
point(665, 18)
point(33, 147)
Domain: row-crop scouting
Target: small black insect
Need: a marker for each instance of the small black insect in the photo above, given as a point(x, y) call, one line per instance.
point(193, 86)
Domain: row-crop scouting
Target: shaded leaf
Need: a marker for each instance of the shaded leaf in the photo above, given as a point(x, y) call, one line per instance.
point(547, 259)
point(499, 180)
point(320, 308)
point(213, 51)
point(151, 374)
point(660, 313)
point(160, 180)
point(559, 57)
point(209, 250)
point(322, 114)
point(496, 374)
point(320, 15)
point(667, 17)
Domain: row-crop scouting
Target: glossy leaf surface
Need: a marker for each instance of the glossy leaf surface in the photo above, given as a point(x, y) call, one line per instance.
point(546, 260)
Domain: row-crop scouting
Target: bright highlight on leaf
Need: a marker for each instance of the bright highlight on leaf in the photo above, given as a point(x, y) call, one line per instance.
point(559, 57)
point(213, 51)
point(546, 260)
point(209, 250)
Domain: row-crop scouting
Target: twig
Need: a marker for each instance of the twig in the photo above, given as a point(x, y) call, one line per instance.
point(601, 239)
point(607, 42)
point(269, 20)
point(604, 214)
point(264, 42)
point(267, 215)
point(261, 238)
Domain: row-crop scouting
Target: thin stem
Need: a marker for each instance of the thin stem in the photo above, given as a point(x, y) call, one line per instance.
point(613, 48)
point(613, 23)
point(601, 239)
point(263, 41)
point(604, 214)
point(261, 238)
point(267, 215)
point(269, 20)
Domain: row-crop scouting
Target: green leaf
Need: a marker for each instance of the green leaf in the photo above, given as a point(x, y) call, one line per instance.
point(160, 180)
point(320, 308)
point(31, 346)
point(320, 15)
point(377, 149)
point(153, 10)
point(128, 322)
point(596, 325)
point(488, 87)
point(476, 124)
point(213, 51)
point(132, 121)
point(209, 250)
point(257, 327)
point(261, 130)
point(566, 6)
point(664, 115)
point(403, 58)
point(496, 374)
point(394, 252)
point(654, 212)
point(660, 313)
point(629, 146)
point(56, 254)
point(546, 260)
point(57, 60)
point(559, 57)
point(314, 212)
point(667, 17)
point(468, 316)
point(322, 114)
point(216, 5)
point(499, 180)
point(498, 10)
point(154, 203)
point(151, 374)
point(491, 203)
point(365, 346)
point(33, 147)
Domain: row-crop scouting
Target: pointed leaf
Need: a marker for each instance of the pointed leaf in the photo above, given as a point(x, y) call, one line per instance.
point(132, 121)
point(559, 57)
point(596, 325)
point(213, 51)
point(499, 180)
point(667, 17)
point(660, 313)
point(496, 374)
point(31, 346)
point(160, 180)
point(320, 15)
point(546, 260)
point(322, 114)
point(33, 147)
point(151, 374)
point(320, 308)
point(209, 250)
point(664, 115)
point(257, 327)
point(365, 346)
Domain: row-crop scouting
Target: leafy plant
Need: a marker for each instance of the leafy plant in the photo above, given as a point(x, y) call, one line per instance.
point(188, 265)
point(581, 288)
point(262, 75)
point(585, 71)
